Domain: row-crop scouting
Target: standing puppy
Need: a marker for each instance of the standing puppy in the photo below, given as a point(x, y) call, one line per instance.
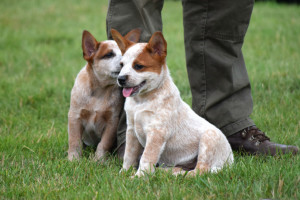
point(170, 132)
point(96, 100)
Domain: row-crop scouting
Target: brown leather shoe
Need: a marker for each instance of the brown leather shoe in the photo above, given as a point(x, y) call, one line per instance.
point(253, 141)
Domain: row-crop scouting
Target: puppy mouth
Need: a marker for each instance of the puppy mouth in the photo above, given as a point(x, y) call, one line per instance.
point(131, 91)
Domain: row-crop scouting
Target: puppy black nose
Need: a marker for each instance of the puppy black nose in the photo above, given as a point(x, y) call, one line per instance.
point(122, 80)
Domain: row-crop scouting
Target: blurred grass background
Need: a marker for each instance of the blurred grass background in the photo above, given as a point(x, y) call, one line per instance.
point(40, 56)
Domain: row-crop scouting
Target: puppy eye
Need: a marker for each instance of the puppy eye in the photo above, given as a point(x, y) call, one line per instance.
point(108, 55)
point(121, 64)
point(138, 67)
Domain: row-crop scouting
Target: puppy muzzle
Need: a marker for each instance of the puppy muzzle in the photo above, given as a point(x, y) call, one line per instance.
point(122, 80)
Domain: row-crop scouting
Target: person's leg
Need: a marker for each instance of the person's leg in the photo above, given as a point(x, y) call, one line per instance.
point(125, 15)
point(214, 33)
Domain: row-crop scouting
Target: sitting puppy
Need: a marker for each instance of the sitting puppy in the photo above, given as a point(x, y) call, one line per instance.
point(96, 99)
point(159, 124)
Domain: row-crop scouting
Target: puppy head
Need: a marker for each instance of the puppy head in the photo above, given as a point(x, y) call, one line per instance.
point(105, 56)
point(142, 64)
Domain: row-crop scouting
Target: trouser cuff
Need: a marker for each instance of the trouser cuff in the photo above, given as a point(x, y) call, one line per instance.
point(232, 128)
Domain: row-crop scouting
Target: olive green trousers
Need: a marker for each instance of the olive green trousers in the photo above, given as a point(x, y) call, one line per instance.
point(214, 33)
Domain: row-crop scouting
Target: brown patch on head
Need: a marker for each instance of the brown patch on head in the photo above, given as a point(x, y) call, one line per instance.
point(148, 61)
point(103, 51)
point(153, 56)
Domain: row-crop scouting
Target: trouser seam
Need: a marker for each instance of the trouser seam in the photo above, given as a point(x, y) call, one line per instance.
point(202, 110)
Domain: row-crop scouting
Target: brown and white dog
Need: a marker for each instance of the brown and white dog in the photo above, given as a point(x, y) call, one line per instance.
point(159, 124)
point(96, 99)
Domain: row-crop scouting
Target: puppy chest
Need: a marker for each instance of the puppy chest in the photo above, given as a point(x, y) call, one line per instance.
point(94, 123)
point(141, 134)
point(143, 126)
point(142, 120)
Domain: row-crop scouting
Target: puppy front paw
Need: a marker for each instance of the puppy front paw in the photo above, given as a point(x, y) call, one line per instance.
point(74, 155)
point(139, 174)
point(123, 170)
point(100, 156)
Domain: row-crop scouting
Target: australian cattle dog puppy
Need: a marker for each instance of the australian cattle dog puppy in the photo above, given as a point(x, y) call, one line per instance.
point(160, 125)
point(96, 99)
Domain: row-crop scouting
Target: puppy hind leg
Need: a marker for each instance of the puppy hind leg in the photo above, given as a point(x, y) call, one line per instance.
point(200, 168)
point(206, 153)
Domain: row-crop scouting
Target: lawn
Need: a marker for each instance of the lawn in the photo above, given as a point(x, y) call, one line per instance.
point(40, 56)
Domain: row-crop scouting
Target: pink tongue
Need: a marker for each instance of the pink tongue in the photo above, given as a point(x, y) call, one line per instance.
point(127, 92)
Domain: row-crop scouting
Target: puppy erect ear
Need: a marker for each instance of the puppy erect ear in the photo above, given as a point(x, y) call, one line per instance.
point(89, 45)
point(122, 42)
point(133, 35)
point(158, 45)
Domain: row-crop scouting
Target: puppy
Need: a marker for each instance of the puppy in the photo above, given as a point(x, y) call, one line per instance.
point(96, 99)
point(159, 124)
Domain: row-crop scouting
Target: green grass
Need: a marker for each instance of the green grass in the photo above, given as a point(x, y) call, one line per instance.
point(40, 55)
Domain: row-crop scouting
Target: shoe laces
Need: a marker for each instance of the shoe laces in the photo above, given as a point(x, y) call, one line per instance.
point(255, 134)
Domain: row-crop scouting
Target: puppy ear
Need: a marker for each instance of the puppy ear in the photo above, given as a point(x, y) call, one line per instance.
point(158, 45)
point(133, 35)
point(122, 42)
point(89, 45)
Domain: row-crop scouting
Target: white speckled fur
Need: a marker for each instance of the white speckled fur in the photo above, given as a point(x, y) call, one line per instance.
point(170, 132)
